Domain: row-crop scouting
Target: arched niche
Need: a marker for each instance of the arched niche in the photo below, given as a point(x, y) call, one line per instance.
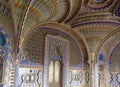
point(109, 51)
point(114, 66)
point(114, 60)
point(33, 47)
point(37, 34)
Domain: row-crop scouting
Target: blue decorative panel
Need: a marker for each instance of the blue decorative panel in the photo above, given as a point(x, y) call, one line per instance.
point(2, 39)
point(5, 43)
point(114, 83)
point(101, 57)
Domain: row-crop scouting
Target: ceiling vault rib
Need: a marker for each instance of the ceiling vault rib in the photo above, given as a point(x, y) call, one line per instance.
point(14, 26)
point(24, 16)
point(13, 16)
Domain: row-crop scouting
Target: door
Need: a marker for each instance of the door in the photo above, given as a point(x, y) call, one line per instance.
point(55, 74)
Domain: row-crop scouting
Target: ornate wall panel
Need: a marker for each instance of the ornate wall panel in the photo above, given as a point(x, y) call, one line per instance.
point(100, 76)
point(5, 52)
point(51, 54)
point(33, 49)
point(110, 48)
point(39, 50)
point(79, 78)
point(87, 78)
point(30, 77)
point(114, 79)
point(76, 78)
point(114, 66)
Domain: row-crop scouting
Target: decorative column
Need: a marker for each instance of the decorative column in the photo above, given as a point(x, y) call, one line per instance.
point(92, 69)
point(16, 73)
point(107, 74)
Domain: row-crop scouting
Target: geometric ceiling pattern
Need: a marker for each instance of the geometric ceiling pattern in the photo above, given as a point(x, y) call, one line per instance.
point(99, 4)
point(94, 19)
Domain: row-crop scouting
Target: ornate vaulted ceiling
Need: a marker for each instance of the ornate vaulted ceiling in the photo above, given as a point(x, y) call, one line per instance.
point(92, 18)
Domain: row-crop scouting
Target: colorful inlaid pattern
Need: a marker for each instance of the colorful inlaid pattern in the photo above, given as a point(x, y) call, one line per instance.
point(101, 79)
point(87, 77)
point(7, 46)
point(7, 50)
point(5, 11)
point(99, 4)
point(76, 78)
point(39, 9)
point(118, 77)
point(101, 57)
point(115, 79)
point(20, 3)
point(97, 22)
point(29, 77)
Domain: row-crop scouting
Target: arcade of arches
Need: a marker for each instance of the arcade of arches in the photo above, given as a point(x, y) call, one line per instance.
point(59, 43)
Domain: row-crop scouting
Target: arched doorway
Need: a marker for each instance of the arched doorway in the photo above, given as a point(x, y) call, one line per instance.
point(114, 67)
point(56, 62)
point(41, 47)
point(110, 51)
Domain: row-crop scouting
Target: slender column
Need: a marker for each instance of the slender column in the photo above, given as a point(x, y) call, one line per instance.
point(107, 74)
point(92, 69)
